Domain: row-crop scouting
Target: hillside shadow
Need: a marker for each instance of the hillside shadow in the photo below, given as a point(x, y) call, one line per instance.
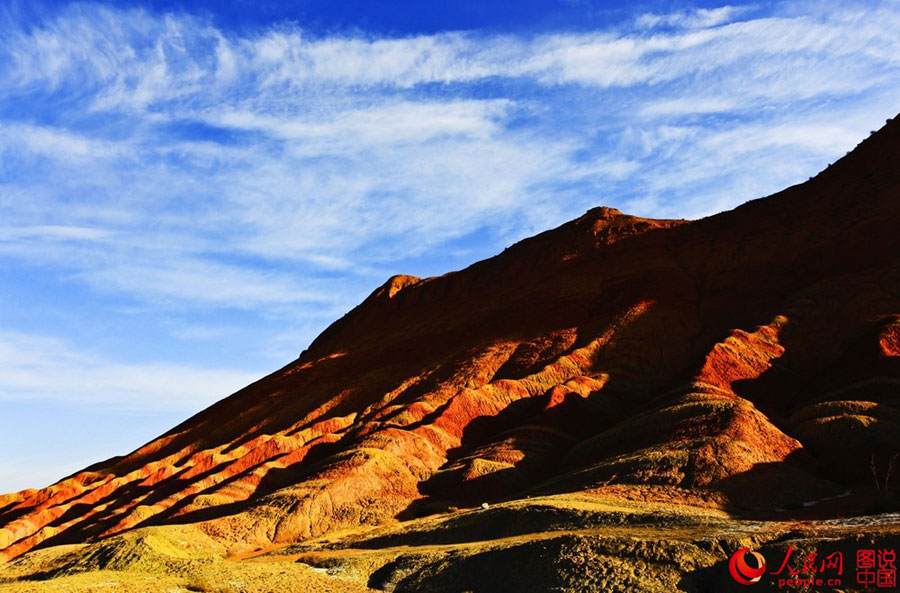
point(787, 489)
point(523, 421)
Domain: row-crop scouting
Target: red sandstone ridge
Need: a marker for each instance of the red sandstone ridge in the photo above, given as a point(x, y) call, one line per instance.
point(730, 355)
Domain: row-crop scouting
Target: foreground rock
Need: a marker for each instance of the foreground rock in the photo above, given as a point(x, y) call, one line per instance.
point(572, 543)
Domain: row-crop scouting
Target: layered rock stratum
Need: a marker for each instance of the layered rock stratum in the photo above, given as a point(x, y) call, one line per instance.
point(741, 366)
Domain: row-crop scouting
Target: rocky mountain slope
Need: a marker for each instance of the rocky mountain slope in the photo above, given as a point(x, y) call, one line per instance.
point(745, 364)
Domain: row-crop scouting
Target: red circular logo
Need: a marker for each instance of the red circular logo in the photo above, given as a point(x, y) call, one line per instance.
point(743, 572)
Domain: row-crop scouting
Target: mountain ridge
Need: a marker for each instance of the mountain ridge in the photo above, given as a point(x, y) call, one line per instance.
point(708, 357)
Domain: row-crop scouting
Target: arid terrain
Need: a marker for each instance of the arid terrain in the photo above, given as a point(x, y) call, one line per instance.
point(617, 404)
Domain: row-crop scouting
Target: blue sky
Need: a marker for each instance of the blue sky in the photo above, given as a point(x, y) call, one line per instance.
point(190, 192)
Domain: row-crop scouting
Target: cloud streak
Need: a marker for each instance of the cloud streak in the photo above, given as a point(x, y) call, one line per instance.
point(39, 368)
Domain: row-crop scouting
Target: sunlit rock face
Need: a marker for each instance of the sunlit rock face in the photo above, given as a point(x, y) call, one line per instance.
point(749, 358)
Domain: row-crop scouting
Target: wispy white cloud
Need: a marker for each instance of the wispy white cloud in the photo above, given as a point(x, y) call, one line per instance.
point(51, 232)
point(36, 368)
point(392, 123)
point(688, 106)
point(203, 282)
point(131, 59)
point(56, 143)
point(697, 18)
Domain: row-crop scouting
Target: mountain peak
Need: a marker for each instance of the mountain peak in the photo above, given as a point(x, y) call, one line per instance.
point(746, 360)
point(602, 213)
point(394, 285)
